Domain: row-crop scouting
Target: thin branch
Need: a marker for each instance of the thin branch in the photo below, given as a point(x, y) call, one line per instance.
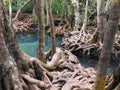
point(20, 9)
point(10, 13)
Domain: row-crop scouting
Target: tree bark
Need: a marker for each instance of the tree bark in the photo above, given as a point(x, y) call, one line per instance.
point(69, 8)
point(101, 22)
point(85, 18)
point(48, 20)
point(77, 14)
point(34, 5)
point(53, 47)
point(41, 30)
point(107, 45)
point(9, 77)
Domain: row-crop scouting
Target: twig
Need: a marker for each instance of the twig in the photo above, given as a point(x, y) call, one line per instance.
point(20, 9)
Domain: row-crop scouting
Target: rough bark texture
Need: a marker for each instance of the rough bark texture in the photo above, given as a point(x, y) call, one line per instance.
point(41, 29)
point(77, 14)
point(48, 19)
point(101, 23)
point(85, 18)
point(53, 47)
point(69, 8)
point(107, 45)
point(9, 77)
point(34, 5)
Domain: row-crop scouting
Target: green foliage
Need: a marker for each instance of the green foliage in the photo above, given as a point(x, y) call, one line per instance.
point(56, 7)
point(90, 22)
point(35, 19)
point(6, 2)
point(28, 7)
point(16, 4)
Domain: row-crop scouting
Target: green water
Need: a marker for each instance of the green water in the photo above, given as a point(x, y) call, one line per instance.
point(28, 43)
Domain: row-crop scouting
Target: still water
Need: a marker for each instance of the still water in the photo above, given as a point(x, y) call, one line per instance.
point(28, 43)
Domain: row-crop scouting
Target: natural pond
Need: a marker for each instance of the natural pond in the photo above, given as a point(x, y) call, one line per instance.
point(28, 43)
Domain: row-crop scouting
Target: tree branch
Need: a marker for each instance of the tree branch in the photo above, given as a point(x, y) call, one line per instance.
point(20, 9)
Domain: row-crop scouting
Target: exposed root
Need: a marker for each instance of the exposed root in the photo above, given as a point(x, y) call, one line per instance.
point(35, 81)
point(118, 87)
point(83, 43)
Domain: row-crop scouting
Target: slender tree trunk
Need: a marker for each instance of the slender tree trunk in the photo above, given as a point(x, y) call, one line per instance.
point(10, 12)
point(69, 18)
point(53, 47)
point(85, 19)
point(69, 8)
point(107, 45)
point(10, 16)
point(33, 12)
point(101, 21)
point(48, 20)
point(9, 77)
point(77, 14)
point(41, 30)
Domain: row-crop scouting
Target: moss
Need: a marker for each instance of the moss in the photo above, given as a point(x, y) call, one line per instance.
point(100, 83)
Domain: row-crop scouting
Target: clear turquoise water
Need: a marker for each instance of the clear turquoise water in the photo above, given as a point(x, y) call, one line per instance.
point(28, 43)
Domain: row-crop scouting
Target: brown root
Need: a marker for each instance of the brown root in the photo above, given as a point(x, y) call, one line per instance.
point(35, 81)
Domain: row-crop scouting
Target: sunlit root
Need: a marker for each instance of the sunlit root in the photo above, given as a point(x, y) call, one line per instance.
point(34, 81)
point(65, 73)
point(118, 87)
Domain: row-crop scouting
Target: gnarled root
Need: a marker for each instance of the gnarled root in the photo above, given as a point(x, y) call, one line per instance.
point(35, 81)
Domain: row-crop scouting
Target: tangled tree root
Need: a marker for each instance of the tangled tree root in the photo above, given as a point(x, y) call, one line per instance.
point(63, 72)
point(81, 44)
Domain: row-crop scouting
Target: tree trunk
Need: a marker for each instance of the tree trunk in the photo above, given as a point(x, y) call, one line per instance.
point(48, 20)
point(9, 77)
point(33, 12)
point(53, 47)
point(69, 8)
point(85, 19)
point(101, 22)
point(70, 16)
point(10, 12)
point(41, 30)
point(107, 45)
point(77, 14)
